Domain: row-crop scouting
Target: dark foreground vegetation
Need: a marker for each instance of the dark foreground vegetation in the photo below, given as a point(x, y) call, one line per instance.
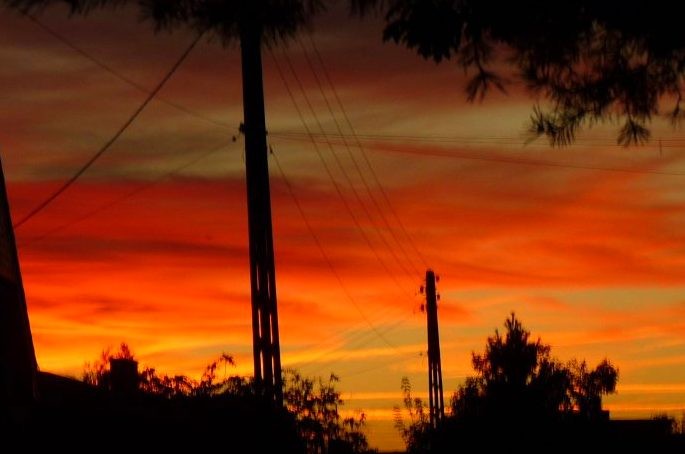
point(523, 400)
point(117, 408)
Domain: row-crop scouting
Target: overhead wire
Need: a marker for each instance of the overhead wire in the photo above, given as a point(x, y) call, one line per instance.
point(324, 255)
point(335, 184)
point(44, 204)
point(452, 154)
point(342, 167)
point(521, 141)
point(135, 191)
point(380, 364)
point(340, 353)
point(375, 203)
point(363, 151)
point(327, 169)
point(348, 295)
point(532, 162)
point(104, 66)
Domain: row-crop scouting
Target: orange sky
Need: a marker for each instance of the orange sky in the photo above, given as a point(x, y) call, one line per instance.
point(586, 243)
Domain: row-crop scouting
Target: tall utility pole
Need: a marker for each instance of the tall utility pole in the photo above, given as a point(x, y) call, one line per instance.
point(437, 405)
point(17, 358)
point(265, 339)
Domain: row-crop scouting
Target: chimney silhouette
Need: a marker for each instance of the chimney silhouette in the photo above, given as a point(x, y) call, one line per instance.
point(123, 376)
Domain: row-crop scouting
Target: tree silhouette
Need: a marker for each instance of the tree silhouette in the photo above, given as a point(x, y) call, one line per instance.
point(520, 396)
point(315, 404)
point(592, 61)
point(517, 377)
point(152, 382)
point(515, 374)
point(588, 386)
point(417, 433)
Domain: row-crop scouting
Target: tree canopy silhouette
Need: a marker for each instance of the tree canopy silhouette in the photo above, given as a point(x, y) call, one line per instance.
point(517, 377)
point(418, 432)
point(519, 392)
point(313, 404)
point(277, 19)
point(593, 61)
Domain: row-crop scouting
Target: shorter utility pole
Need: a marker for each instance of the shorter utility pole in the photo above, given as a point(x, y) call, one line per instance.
point(436, 402)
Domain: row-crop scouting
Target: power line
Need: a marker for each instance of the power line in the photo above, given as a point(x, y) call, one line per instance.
point(330, 175)
point(500, 159)
point(336, 186)
point(315, 237)
point(342, 168)
point(123, 197)
point(379, 365)
point(363, 151)
point(360, 340)
point(676, 142)
point(102, 65)
point(41, 206)
point(347, 350)
point(530, 162)
point(390, 229)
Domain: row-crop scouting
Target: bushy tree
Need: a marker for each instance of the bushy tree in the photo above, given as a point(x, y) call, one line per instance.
point(313, 404)
point(416, 433)
point(316, 404)
point(588, 386)
point(517, 377)
point(520, 396)
point(153, 382)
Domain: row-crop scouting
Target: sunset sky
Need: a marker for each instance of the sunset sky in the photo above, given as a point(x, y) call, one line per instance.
point(586, 243)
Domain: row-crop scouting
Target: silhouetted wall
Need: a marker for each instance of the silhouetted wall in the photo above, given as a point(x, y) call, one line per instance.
point(123, 376)
point(17, 358)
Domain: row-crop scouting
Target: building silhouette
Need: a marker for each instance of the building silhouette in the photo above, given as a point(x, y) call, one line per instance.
point(17, 358)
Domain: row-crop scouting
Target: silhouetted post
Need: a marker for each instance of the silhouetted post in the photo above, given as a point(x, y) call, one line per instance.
point(17, 357)
point(266, 346)
point(436, 403)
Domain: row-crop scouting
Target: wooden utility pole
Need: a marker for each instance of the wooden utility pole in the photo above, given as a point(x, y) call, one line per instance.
point(17, 358)
point(265, 338)
point(436, 403)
